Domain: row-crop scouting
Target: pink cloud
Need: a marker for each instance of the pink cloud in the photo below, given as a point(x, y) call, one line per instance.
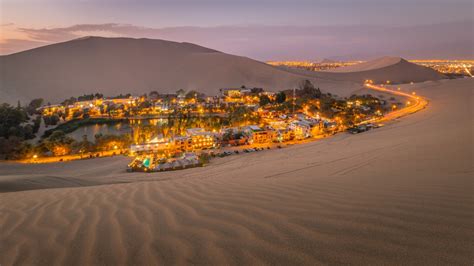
point(282, 42)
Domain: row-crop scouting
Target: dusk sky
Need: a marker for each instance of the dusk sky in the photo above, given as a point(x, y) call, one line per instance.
point(262, 29)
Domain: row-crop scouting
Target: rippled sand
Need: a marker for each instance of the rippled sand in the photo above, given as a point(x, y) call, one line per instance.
point(396, 195)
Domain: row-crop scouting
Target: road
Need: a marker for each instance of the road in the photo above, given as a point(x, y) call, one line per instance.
point(414, 103)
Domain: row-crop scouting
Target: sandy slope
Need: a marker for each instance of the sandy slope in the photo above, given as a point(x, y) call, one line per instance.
point(369, 65)
point(124, 65)
point(400, 194)
point(393, 69)
point(137, 66)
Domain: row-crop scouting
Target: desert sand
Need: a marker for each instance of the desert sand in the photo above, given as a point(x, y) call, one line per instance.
point(124, 65)
point(369, 65)
point(401, 194)
point(394, 69)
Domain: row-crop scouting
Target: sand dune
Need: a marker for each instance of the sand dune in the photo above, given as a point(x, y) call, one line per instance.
point(401, 194)
point(394, 69)
point(369, 65)
point(125, 65)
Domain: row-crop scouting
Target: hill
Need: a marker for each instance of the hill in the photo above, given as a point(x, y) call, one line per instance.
point(394, 69)
point(125, 65)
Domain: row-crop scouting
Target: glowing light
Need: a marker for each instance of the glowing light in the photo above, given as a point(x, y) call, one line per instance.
point(467, 70)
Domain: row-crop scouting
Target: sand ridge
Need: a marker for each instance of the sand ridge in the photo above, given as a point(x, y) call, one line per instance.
point(396, 70)
point(369, 65)
point(137, 66)
point(401, 194)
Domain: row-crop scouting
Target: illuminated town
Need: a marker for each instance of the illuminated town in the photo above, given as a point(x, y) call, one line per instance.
point(284, 132)
point(449, 67)
point(454, 67)
point(314, 66)
point(187, 129)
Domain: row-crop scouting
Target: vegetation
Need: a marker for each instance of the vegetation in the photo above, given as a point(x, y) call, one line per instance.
point(242, 115)
point(307, 90)
point(280, 97)
point(51, 120)
point(34, 105)
point(16, 128)
point(12, 122)
point(111, 142)
point(194, 95)
point(264, 100)
point(58, 143)
point(14, 148)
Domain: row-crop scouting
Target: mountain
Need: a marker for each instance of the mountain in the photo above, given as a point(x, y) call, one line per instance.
point(125, 65)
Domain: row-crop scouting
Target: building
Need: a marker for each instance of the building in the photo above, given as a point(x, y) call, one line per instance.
point(51, 109)
point(234, 92)
point(282, 135)
point(183, 144)
point(301, 128)
point(258, 135)
point(201, 139)
point(156, 145)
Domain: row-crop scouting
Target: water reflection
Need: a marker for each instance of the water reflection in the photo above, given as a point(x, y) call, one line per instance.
point(143, 129)
point(119, 128)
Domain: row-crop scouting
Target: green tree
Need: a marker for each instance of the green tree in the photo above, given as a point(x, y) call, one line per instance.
point(85, 145)
point(34, 105)
point(59, 143)
point(280, 97)
point(15, 148)
point(77, 114)
point(112, 142)
point(51, 120)
point(11, 119)
point(307, 90)
point(264, 100)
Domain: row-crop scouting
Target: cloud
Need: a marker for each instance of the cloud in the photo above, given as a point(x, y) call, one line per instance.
point(283, 42)
point(9, 46)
